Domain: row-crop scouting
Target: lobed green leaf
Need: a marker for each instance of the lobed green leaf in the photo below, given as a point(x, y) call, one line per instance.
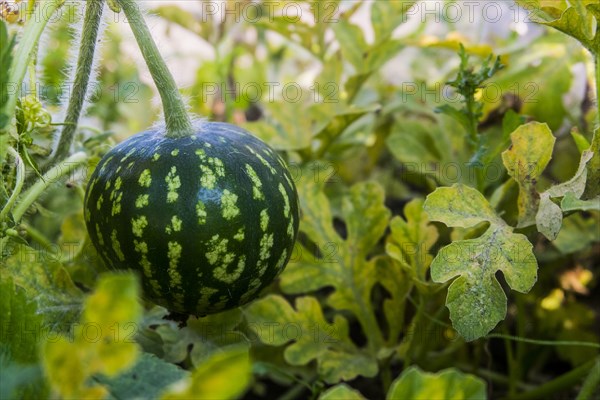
point(476, 300)
point(525, 160)
point(415, 384)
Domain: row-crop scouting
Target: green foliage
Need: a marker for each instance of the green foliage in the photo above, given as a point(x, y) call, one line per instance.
point(575, 20)
point(341, 392)
point(411, 240)
point(225, 375)
point(6, 44)
point(147, 379)
point(525, 160)
point(329, 344)
point(48, 282)
point(21, 332)
point(476, 299)
point(101, 344)
point(415, 384)
point(467, 83)
point(425, 206)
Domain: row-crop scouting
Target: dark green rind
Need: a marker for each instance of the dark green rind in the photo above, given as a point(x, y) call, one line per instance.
point(235, 147)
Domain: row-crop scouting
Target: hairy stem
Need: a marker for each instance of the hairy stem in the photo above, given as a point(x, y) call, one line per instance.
point(87, 48)
point(20, 178)
point(176, 117)
point(37, 236)
point(61, 169)
point(597, 59)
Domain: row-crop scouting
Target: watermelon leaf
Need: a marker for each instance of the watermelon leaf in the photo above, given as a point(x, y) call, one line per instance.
point(475, 299)
point(340, 261)
point(101, 344)
point(341, 392)
point(225, 375)
point(525, 160)
point(46, 280)
point(447, 384)
point(146, 380)
point(276, 323)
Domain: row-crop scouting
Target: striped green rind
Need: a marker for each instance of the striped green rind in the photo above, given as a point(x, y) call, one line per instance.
point(207, 220)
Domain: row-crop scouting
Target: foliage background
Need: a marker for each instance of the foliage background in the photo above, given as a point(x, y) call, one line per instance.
point(359, 310)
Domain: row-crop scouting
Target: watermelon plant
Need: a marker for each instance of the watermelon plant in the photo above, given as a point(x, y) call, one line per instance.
point(207, 213)
point(431, 183)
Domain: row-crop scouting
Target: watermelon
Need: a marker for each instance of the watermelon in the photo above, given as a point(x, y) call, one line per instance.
point(207, 220)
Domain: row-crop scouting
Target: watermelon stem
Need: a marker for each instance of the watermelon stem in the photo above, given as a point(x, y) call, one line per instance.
point(62, 169)
point(20, 178)
point(91, 27)
point(177, 120)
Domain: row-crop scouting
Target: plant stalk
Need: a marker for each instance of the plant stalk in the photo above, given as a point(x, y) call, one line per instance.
point(597, 65)
point(61, 169)
point(591, 383)
point(20, 178)
point(563, 382)
point(177, 120)
point(85, 60)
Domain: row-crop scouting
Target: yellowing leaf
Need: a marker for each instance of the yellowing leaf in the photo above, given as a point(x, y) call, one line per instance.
point(276, 323)
point(341, 392)
point(343, 264)
point(101, 344)
point(225, 375)
point(592, 185)
point(475, 299)
point(411, 239)
point(571, 203)
point(576, 21)
point(453, 42)
point(549, 215)
point(525, 160)
point(415, 384)
point(46, 280)
point(460, 206)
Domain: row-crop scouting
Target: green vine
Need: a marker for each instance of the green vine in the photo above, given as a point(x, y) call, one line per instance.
point(91, 27)
point(561, 383)
point(61, 169)
point(177, 120)
point(20, 178)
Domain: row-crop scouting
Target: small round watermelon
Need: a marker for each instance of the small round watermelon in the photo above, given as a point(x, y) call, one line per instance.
point(207, 220)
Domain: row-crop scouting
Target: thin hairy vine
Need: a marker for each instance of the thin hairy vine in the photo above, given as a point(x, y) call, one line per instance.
point(61, 169)
point(177, 120)
point(91, 27)
point(20, 178)
point(544, 342)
